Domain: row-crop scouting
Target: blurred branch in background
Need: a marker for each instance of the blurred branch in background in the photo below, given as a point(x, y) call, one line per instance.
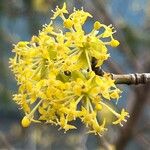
point(128, 130)
point(3, 141)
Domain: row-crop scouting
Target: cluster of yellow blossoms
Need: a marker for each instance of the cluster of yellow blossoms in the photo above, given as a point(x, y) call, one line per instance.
point(56, 82)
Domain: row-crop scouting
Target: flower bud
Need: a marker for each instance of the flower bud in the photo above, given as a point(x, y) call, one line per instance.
point(114, 43)
point(68, 23)
point(97, 25)
point(25, 122)
point(99, 107)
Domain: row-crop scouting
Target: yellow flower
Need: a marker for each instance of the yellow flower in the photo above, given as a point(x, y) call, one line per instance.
point(21, 100)
point(115, 94)
point(108, 32)
point(98, 129)
point(56, 79)
point(121, 117)
point(59, 12)
point(79, 17)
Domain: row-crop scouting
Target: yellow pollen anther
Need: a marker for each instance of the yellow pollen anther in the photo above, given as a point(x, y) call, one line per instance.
point(97, 25)
point(25, 121)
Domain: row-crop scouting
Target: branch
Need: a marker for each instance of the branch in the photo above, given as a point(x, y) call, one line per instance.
point(136, 78)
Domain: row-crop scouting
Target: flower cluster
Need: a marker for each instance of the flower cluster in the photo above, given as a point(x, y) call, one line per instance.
point(56, 82)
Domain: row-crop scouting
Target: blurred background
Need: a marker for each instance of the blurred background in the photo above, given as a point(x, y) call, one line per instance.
point(20, 19)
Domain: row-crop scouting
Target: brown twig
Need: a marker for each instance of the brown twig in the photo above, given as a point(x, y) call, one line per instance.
point(136, 78)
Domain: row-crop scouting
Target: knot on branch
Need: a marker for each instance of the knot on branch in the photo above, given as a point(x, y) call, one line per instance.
point(140, 78)
point(136, 78)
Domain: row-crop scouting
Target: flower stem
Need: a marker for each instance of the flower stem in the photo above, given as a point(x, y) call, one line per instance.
point(88, 60)
point(114, 112)
point(34, 109)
